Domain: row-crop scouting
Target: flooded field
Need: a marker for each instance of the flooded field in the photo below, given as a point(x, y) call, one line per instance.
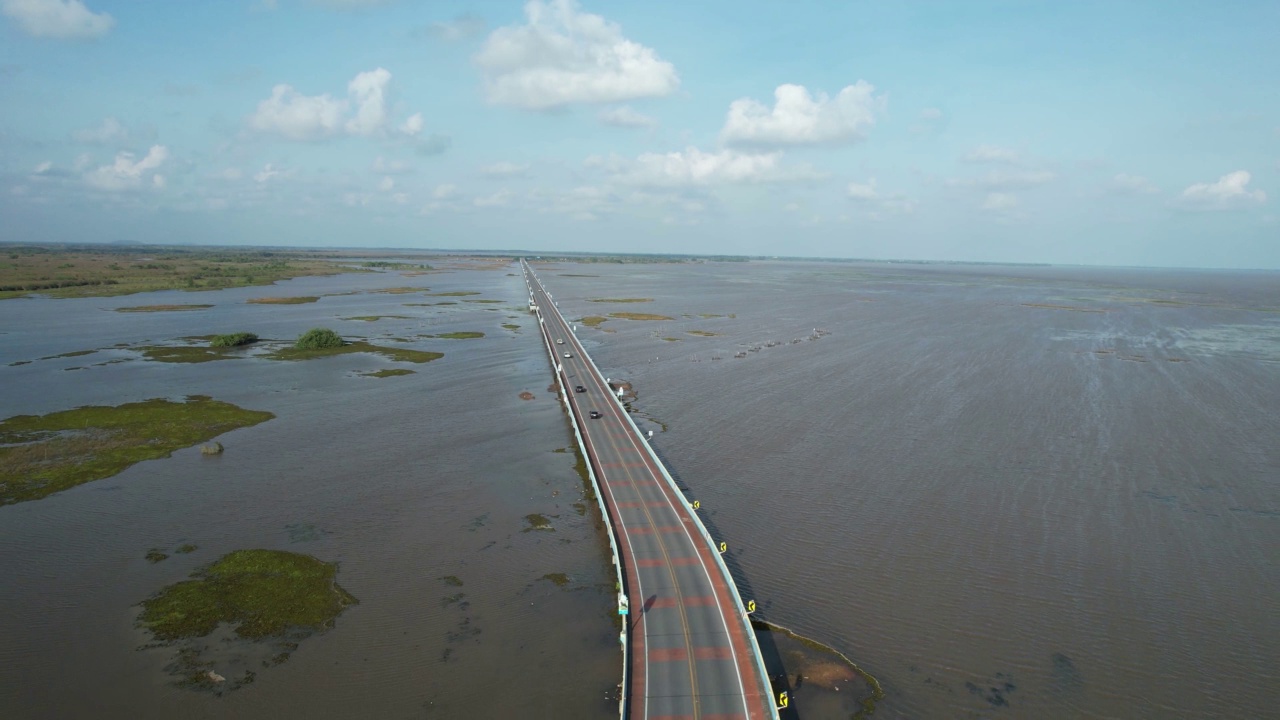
point(1002, 492)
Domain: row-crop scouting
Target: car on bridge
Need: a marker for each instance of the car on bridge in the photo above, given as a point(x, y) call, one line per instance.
point(559, 341)
point(595, 415)
point(579, 388)
point(568, 355)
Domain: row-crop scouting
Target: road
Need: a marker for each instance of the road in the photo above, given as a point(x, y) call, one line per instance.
point(690, 652)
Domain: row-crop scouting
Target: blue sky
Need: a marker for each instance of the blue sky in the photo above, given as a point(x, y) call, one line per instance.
point(1132, 133)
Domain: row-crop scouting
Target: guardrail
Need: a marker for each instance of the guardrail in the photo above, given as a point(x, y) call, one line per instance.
point(604, 511)
point(743, 615)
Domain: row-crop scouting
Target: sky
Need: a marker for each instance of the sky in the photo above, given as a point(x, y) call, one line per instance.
point(1097, 133)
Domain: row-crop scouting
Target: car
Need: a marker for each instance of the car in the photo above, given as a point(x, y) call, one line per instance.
point(595, 414)
point(568, 355)
point(579, 388)
point(559, 341)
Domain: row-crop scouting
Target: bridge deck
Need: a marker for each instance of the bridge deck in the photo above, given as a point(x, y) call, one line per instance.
point(691, 654)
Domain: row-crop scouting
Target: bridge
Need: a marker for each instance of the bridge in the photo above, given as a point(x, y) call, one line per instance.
point(689, 652)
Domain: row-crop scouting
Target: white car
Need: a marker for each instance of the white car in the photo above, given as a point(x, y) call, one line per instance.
point(559, 341)
point(568, 355)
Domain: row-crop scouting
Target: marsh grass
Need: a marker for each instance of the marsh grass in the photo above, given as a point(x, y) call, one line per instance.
point(162, 308)
point(398, 354)
point(44, 454)
point(388, 372)
point(264, 593)
point(375, 318)
point(455, 293)
point(593, 320)
point(463, 335)
point(299, 300)
point(233, 340)
point(639, 316)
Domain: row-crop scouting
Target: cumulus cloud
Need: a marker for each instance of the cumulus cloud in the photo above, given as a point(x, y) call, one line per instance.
point(499, 199)
point(693, 167)
point(799, 118)
point(998, 201)
point(294, 116)
point(126, 173)
point(463, 27)
point(869, 197)
point(1135, 184)
point(110, 132)
point(267, 172)
point(1230, 192)
point(60, 19)
point(562, 56)
point(992, 154)
point(625, 117)
point(504, 170)
point(42, 168)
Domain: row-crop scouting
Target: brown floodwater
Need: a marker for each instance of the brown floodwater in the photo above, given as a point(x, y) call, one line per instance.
point(1002, 492)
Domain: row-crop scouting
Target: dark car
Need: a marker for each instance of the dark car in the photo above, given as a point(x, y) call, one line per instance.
point(595, 414)
point(579, 388)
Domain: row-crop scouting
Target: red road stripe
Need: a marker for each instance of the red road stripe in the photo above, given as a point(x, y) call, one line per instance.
point(679, 654)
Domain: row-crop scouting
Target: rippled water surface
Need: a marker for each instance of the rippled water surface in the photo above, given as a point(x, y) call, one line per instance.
point(1005, 492)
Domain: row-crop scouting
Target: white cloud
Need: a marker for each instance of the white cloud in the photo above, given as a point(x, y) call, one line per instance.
point(382, 166)
point(126, 173)
point(564, 57)
point(444, 192)
point(693, 167)
point(42, 168)
point(110, 132)
point(1003, 180)
point(868, 195)
point(1229, 192)
point(998, 201)
point(368, 89)
point(294, 116)
point(504, 170)
point(463, 27)
point(158, 181)
point(1136, 184)
point(413, 125)
point(625, 117)
point(387, 184)
point(267, 172)
point(499, 199)
point(992, 154)
point(797, 117)
point(61, 19)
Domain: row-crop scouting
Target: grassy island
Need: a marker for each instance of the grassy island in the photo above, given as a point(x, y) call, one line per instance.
point(263, 592)
point(638, 316)
point(44, 454)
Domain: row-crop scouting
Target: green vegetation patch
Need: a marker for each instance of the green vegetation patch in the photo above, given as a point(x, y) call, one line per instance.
point(671, 339)
point(559, 579)
point(398, 354)
point(318, 339)
point(154, 556)
point(538, 522)
point(265, 593)
point(187, 549)
point(73, 353)
point(593, 320)
point(464, 335)
point(299, 300)
point(511, 326)
point(639, 316)
point(375, 318)
point(401, 290)
point(187, 353)
point(453, 580)
point(621, 300)
point(233, 340)
point(162, 308)
point(44, 454)
point(490, 302)
point(702, 333)
point(389, 372)
point(455, 293)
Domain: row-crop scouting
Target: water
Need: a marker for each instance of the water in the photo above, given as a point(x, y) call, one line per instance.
point(997, 508)
point(402, 480)
point(994, 507)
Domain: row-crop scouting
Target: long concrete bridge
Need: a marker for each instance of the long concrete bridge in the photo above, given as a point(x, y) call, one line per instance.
point(689, 650)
